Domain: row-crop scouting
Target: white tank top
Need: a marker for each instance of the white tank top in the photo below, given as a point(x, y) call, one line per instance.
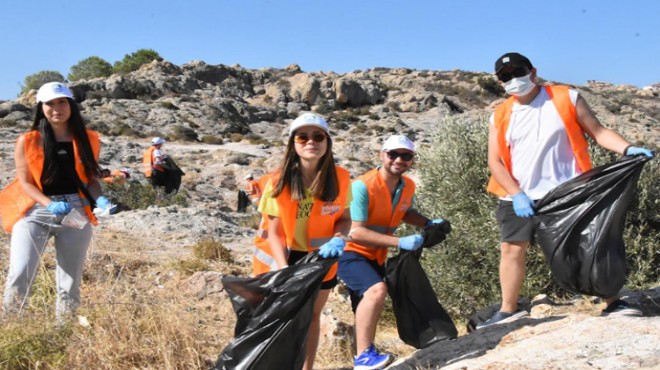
point(541, 153)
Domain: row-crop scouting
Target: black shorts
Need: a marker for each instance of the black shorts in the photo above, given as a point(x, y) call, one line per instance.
point(512, 227)
point(295, 256)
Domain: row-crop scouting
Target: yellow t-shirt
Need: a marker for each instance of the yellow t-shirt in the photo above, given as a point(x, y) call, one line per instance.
point(268, 205)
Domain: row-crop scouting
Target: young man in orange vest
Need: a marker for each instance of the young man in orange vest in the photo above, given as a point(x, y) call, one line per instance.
point(536, 141)
point(374, 221)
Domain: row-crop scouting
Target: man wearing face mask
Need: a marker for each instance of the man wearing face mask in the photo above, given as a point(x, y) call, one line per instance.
point(536, 141)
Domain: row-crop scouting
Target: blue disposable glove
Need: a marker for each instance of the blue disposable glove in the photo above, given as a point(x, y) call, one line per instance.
point(522, 205)
point(333, 248)
point(59, 208)
point(437, 221)
point(634, 150)
point(411, 242)
point(102, 202)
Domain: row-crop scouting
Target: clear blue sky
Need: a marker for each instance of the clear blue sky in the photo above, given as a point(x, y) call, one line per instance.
point(570, 41)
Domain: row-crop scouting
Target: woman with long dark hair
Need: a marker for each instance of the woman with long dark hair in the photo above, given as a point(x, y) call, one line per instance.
point(307, 203)
point(48, 159)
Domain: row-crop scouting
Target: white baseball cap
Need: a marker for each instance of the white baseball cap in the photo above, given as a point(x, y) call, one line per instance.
point(157, 141)
point(398, 142)
point(53, 90)
point(308, 119)
point(249, 176)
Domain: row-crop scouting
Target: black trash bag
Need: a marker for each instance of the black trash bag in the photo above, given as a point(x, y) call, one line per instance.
point(435, 233)
point(243, 201)
point(273, 313)
point(580, 227)
point(420, 318)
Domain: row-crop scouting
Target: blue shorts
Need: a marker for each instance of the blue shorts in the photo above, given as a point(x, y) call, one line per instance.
point(359, 274)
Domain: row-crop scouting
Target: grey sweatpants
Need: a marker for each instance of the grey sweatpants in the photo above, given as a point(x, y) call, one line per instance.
point(28, 241)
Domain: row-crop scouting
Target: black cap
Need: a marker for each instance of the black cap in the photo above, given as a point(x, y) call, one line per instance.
point(512, 59)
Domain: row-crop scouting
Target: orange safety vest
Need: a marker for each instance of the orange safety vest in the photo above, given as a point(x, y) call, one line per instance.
point(322, 219)
point(576, 136)
point(148, 161)
point(254, 189)
point(34, 156)
point(262, 260)
point(116, 176)
point(384, 217)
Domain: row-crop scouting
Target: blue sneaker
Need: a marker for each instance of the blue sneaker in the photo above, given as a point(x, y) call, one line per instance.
point(502, 318)
point(370, 359)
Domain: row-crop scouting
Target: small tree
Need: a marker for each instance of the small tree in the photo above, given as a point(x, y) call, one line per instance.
point(35, 81)
point(91, 67)
point(132, 62)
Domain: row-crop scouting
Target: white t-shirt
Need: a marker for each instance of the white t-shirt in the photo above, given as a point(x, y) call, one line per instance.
point(541, 153)
point(158, 156)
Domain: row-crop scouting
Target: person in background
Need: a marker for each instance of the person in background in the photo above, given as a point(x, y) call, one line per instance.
point(382, 199)
point(153, 162)
point(536, 141)
point(116, 176)
point(253, 189)
point(57, 148)
point(307, 204)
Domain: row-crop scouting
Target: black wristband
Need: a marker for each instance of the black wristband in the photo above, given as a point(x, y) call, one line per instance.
point(626, 149)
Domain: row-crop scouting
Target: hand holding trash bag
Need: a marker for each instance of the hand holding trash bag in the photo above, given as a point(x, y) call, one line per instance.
point(634, 150)
point(59, 208)
point(333, 248)
point(411, 242)
point(522, 205)
point(102, 202)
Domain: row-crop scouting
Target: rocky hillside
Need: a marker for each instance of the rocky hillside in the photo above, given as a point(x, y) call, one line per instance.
point(222, 122)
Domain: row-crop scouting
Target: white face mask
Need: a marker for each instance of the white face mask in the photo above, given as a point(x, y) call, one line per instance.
point(519, 86)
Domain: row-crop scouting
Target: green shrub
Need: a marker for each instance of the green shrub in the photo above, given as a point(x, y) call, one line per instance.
point(211, 249)
point(89, 68)
point(464, 269)
point(135, 195)
point(183, 133)
point(211, 139)
point(491, 85)
point(133, 62)
point(33, 346)
point(235, 137)
point(34, 81)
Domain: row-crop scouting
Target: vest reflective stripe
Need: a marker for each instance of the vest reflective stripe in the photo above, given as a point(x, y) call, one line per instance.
point(322, 219)
point(262, 260)
point(383, 216)
point(561, 99)
point(34, 155)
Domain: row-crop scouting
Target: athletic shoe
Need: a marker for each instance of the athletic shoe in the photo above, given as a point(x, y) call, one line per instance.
point(502, 318)
point(620, 308)
point(370, 359)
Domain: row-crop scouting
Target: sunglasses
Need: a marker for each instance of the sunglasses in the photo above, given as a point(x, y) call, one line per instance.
point(514, 73)
point(404, 156)
point(303, 138)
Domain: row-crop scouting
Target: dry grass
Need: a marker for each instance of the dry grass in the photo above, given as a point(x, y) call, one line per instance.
point(141, 316)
